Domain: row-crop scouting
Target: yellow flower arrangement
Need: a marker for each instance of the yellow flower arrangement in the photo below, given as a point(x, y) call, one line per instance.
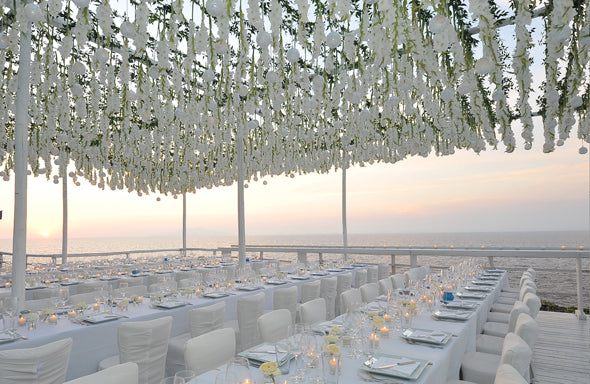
point(336, 330)
point(331, 339)
point(333, 349)
point(378, 322)
point(371, 314)
point(81, 305)
point(270, 369)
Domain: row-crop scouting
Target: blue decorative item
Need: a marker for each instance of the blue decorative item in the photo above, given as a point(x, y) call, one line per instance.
point(448, 296)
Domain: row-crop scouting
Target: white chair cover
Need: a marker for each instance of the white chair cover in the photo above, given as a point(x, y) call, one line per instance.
point(157, 278)
point(329, 292)
point(385, 286)
point(360, 278)
point(311, 290)
point(45, 293)
point(127, 373)
point(144, 343)
point(87, 298)
point(46, 364)
point(313, 311)
point(397, 281)
point(372, 274)
point(181, 275)
point(286, 298)
point(517, 353)
point(349, 299)
point(526, 327)
point(507, 374)
point(131, 281)
point(249, 308)
point(344, 283)
point(210, 350)
point(415, 274)
point(206, 319)
point(136, 290)
point(383, 271)
point(533, 302)
point(501, 329)
point(274, 326)
point(369, 292)
point(39, 305)
point(91, 286)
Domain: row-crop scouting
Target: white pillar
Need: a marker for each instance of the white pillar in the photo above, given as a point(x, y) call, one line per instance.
point(64, 225)
point(241, 215)
point(21, 124)
point(580, 290)
point(344, 226)
point(184, 224)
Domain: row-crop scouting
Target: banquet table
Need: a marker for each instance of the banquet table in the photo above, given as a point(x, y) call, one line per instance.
point(445, 362)
point(92, 343)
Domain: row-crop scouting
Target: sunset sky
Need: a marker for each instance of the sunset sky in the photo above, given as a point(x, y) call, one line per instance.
point(493, 191)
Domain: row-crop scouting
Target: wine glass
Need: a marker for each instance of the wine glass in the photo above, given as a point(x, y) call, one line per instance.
point(238, 368)
point(184, 376)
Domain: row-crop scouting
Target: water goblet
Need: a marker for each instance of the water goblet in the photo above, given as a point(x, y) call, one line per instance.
point(238, 368)
point(184, 376)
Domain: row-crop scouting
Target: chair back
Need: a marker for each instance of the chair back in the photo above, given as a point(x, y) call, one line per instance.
point(311, 290)
point(39, 305)
point(145, 343)
point(533, 302)
point(210, 350)
point(131, 281)
point(46, 364)
point(526, 288)
point(397, 281)
point(313, 311)
point(506, 374)
point(385, 286)
point(249, 308)
point(136, 290)
point(349, 299)
point(344, 283)
point(181, 275)
point(92, 286)
point(88, 298)
point(127, 373)
point(372, 274)
point(518, 308)
point(360, 278)
point(157, 278)
point(45, 293)
point(274, 325)
point(206, 319)
point(517, 353)
point(286, 298)
point(369, 292)
point(383, 271)
point(415, 274)
point(329, 292)
point(527, 329)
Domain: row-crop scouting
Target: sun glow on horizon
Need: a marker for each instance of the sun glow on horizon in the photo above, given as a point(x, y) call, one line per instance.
point(45, 233)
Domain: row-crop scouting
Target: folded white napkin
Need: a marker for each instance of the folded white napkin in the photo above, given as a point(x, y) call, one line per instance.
point(6, 337)
point(453, 314)
point(406, 370)
point(432, 336)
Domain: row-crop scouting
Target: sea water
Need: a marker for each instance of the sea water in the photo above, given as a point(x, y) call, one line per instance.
point(556, 279)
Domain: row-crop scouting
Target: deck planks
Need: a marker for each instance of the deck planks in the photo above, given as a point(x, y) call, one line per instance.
point(562, 350)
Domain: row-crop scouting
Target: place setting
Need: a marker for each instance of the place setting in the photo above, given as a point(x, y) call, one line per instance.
point(387, 365)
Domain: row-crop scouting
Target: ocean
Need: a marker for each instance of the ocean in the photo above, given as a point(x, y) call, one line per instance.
point(556, 278)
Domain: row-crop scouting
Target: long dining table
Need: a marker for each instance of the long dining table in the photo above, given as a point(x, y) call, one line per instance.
point(443, 361)
point(94, 342)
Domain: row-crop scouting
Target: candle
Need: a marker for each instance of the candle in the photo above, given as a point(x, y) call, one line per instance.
point(53, 319)
point(333, 364)
point(346, 340)
point(384, 331)
point(139, 300)
point(407, 315)
point(96, 306)
point(412, 302)
point(71, 314)
point(376, 342)
point(21, 321)
point(387, 317)
point(247, 381)
point(8, 285)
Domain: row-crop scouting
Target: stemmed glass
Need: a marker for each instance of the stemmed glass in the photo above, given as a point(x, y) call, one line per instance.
point(10, 308)
point(64, 295)
point(183, 377)
point(297, 344)
point(238, 370)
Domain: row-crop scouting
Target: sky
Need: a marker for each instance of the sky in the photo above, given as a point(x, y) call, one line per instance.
point(465, 192)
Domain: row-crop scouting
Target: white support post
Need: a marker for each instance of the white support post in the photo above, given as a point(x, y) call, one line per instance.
point(344, 226)
point(413, 260)
point(241, 215)
point(580, 284)
point(184, 224)
point(21, 125)
point(64, 216)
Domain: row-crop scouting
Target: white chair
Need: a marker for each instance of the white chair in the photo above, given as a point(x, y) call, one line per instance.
point(201, 320)
point(45, 293)
point(507, 374)
point(39, 305)
point(313, 311)
point(87, 298)
point(136, 290)
point(534, 303)
point(372, 274)
point(210, 350)
point(274, 325)
point(526, 327)
point(127, 373)
point(350, 299)
point(413, 275)
point(501, 329)
point(329, 292)
point(385, 286)
point(92, 286)
point(397, 281)
point(311, 290)
point(286, 298)
point(383, 271)
point(515, 291)
point(46, 364)
point(182, 275)
point(360, 278)
point(527, 287)
point(344, 283)
point(505, 307)
point(249, 308)
point(144, 343)
point(131, 282)
point(481, 367)
point(369, 292)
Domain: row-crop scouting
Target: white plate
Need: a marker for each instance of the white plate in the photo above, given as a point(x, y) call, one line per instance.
point(263, 353)
point(170, 304)
point(426, 336)
point(410, 371)
point(249, 288)
point(300, 277)
point(215, 295)
point(459, 304)
point(100, 318)
point(6, 337)
point(471, 295)
point(478, 289)
point(275, 282)
point(452, 315)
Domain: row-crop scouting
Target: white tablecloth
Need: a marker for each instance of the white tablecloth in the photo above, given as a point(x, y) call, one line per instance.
point(95, 342)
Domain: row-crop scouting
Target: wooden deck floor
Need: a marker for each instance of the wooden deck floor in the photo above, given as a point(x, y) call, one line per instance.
point(562, 350)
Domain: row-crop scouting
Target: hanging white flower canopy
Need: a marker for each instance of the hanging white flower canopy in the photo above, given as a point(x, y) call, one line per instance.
point(152, 96)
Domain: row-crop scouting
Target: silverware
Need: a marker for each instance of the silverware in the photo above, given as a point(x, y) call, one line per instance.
point(395, 364)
